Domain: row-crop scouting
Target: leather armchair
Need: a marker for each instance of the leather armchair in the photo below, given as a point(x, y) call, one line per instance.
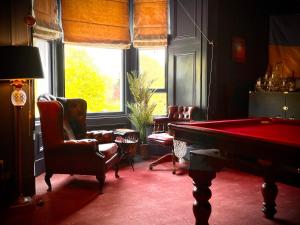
point(64, 153)
point(176, 114)
point(75, 119)
point(161, 135)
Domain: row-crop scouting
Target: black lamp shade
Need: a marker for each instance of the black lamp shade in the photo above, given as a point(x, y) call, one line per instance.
point(20, 62)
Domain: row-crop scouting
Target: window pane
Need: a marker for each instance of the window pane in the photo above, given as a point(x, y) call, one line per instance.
point(152, 64)
point(96, 75)
point(42, 86)
point(161, 101)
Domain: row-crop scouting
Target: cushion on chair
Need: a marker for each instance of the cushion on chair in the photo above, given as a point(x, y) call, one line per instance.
point(161, 138)
point(108, 150)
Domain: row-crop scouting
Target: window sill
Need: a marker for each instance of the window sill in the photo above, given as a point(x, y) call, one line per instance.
point(99, 121)
point(107, 121)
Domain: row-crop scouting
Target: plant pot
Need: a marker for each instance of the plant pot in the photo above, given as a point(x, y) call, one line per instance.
point(145, 151)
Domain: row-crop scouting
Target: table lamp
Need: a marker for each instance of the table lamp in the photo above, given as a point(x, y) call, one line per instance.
point(18, 64)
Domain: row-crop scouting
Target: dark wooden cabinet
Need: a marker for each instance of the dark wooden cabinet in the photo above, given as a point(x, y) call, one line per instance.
point(275, 104)
point(293, 103)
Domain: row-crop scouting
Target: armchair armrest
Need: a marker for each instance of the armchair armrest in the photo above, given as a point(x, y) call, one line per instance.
point(81, 146)
point(160, 124)
point(102, 136)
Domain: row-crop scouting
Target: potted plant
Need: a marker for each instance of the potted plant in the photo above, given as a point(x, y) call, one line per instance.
point(141, 108)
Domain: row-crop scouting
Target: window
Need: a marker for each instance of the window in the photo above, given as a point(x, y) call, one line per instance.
point(42, 86)
point(96, 75)
point(152, 64)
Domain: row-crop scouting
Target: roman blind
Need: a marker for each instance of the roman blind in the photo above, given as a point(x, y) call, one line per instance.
point(47, 20)
point(99, 22)
point(150, 28)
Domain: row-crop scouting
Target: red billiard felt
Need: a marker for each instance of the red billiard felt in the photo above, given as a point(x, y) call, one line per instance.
point(273, 130)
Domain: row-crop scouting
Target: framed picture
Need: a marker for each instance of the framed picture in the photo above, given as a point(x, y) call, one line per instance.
point(238, 49)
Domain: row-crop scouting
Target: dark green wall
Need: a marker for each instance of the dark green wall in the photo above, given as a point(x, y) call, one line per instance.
point(13, 31)
point(190, 54)
point(232, 80)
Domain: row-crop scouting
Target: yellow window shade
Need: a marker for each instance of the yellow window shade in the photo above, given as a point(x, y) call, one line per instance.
point(47, 23)
point(96, 22)
point(150, 23)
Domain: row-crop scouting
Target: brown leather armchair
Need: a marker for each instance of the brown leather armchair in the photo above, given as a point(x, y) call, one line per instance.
point(161, 135)
point(75, 119)
point(73, 151)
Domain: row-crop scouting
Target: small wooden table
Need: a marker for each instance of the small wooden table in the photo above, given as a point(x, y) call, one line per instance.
point(126, 133)
point(127, 140)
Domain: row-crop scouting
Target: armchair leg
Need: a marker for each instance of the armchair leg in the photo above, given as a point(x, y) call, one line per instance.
point(47, 180)
point(101, 180)
point(117, 170)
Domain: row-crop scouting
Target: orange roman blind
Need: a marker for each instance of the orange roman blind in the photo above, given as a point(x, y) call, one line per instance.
point(99, 22)
point(47, 22)
point(150, 23)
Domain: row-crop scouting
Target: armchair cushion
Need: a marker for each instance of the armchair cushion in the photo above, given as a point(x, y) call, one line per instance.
point(108, 150)
point(162, 138)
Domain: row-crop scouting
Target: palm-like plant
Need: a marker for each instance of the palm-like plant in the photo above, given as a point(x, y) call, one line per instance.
point(140, 109)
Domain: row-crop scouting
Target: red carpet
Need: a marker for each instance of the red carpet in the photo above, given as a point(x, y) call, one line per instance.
point(144, 197)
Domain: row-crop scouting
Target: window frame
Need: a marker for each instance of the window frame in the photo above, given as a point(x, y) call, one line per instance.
point(52, 69)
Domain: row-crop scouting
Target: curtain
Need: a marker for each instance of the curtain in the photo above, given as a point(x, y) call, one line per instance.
point(150, 28)
point(99, 22)
point(284, 44)
point(47, 21)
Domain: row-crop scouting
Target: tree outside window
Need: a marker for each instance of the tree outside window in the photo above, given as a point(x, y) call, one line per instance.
point(152, 65)
point(96, 75)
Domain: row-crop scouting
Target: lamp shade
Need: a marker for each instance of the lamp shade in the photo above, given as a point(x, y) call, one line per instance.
point(20, 62)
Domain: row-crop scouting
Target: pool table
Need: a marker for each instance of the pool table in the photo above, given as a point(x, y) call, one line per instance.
point(267, 144)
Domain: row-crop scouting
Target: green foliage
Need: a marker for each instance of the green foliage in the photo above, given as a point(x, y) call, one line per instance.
point(83, 80)
point(141, 108)
point(153, 70)
point(161, 101)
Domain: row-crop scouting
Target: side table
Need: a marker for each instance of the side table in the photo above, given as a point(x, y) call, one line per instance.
point(127, 141)
point(126, 133)
point(127, 148)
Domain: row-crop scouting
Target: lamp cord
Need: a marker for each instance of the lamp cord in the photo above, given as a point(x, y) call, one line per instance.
point(209, 82)
point(211, 43)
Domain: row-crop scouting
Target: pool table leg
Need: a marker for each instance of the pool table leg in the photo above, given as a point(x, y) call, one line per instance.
point(269, 191)
point(202, 194)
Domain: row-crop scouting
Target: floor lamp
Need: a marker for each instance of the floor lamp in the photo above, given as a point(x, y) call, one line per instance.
point(18, 64)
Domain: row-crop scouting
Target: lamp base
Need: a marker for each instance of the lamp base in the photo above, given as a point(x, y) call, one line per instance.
point(22, 202)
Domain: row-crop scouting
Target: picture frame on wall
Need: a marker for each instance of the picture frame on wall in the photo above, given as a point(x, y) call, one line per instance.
point(238, 50)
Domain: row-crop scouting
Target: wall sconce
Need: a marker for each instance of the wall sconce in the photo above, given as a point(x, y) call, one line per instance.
point(18, 64)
